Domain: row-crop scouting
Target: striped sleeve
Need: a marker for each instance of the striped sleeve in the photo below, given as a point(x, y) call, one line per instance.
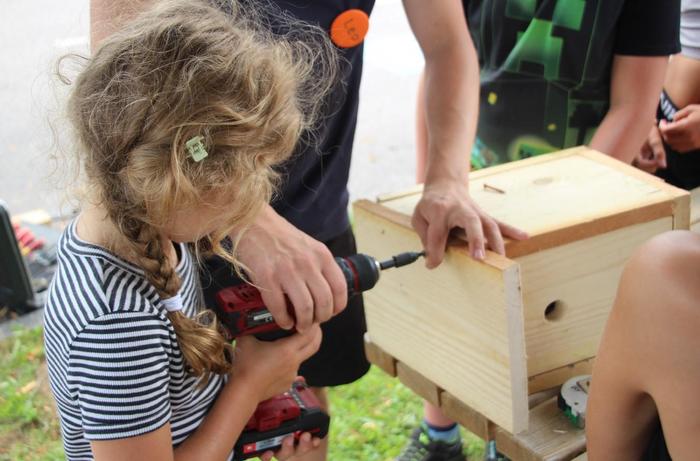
point(118, 373)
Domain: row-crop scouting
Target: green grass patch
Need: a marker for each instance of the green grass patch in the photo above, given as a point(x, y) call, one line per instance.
point(29, 428)
point(371, 419)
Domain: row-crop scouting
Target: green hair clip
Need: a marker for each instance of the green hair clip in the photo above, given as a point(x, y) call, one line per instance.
point(196, 148)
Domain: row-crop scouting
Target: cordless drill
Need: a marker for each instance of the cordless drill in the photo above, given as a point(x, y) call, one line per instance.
point(242, 311)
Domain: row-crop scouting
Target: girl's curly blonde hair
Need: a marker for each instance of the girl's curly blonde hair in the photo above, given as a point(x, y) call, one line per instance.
point(180, 70)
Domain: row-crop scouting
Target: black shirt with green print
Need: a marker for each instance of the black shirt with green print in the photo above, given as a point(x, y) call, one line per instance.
point(546, 67)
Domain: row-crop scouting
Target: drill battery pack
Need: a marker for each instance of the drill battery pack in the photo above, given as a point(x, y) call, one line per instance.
point(290, 414)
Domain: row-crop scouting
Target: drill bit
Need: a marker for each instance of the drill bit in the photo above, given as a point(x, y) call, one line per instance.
point(401, 259)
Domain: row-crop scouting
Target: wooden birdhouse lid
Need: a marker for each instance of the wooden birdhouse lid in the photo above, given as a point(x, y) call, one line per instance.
point(559, 198)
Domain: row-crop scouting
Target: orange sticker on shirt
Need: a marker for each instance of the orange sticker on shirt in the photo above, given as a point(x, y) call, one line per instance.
point(349, 28)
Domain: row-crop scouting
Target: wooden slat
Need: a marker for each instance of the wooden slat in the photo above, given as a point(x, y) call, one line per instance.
point(467, 417)
point(378, 357)
point(542, 396)
point(550, 437)
point(556, 377)
point(582, 277)
point(472, 346)
point(418, 383)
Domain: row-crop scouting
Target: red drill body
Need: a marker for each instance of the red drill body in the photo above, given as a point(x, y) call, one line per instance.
point(242, 310)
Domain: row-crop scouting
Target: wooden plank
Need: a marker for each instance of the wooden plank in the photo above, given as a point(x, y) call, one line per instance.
point(544, 197)
point(556, 377)
point(695, 210)
point(550, 437)
point(474, 421)
point(418, 383)
point(378, 357)
point(680, 197)
point(467, 417)
point(542, 396)
point(470, 345)
point(583, 457)
point(577, 282)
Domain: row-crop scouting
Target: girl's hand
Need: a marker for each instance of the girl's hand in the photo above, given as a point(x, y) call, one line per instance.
point(289, 452)
point(269, 368)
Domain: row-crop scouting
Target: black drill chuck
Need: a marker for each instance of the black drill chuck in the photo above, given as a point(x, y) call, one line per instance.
point(362, 271)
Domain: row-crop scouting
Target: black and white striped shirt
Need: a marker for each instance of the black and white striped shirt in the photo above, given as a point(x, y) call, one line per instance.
point(115, 366)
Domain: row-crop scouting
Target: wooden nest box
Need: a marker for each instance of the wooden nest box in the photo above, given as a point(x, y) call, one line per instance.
point(489, 334)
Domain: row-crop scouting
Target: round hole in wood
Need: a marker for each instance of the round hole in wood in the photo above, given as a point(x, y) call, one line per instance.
point(554, 311)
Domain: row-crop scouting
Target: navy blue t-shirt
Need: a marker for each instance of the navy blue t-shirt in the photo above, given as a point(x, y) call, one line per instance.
point(314, 195)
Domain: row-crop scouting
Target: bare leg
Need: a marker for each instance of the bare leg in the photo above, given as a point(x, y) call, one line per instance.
point(320, 454)
point(648, 365)
point(434, 416)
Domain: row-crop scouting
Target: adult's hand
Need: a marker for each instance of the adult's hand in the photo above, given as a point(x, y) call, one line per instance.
point(285, 262)
point(652, 155)
point(446, 205)
point(683, 133)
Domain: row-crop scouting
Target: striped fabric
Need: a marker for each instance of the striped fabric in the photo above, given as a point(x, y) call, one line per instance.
point(115, 366)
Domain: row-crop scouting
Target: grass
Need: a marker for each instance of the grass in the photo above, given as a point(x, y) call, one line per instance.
point(371, 419)
point(29, 428)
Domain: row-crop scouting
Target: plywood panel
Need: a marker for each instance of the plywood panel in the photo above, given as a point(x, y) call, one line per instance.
point(581, 277)
point(460, 325)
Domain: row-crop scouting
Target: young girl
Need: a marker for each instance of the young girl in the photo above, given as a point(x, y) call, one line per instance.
point(180, 120)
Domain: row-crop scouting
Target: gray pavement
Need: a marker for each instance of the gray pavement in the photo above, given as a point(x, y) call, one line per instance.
point(36, 33)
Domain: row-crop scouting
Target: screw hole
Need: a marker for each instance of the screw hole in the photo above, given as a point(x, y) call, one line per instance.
point(554, 311)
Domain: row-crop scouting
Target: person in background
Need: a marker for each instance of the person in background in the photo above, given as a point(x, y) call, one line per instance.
point(554, 74)
point(672, 150)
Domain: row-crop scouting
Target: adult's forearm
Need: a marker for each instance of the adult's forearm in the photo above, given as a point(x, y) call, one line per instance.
point(107, 16)
point(452, 106)
point(636, 83)
point(623, 132)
